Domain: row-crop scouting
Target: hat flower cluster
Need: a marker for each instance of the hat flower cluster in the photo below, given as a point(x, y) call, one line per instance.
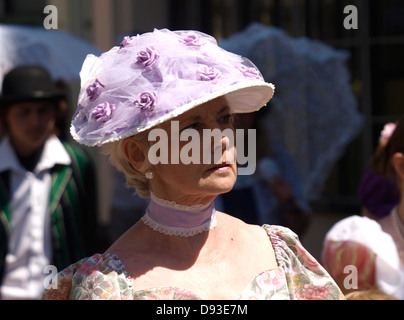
point(146, 101)
point(151, 78)
point(103, 112)
point(127, 40)
point(250, 72)
point(94, 90)
point(209, 73)
point(147, 57)
point(191, 39)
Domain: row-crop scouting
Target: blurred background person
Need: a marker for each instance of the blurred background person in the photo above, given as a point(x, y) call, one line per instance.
point(47, 187)
point(378, 194)
point(374, 248)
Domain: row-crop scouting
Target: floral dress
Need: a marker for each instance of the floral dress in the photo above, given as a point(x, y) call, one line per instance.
point(298, 277)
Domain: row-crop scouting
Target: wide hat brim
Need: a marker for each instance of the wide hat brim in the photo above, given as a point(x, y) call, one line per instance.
point(243, 98)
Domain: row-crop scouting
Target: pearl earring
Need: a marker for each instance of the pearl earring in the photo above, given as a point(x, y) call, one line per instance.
point(149, 175)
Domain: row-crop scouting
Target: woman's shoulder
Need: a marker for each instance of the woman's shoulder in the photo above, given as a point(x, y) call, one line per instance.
point(290, 253)
point(287, 247)
point(100, 276)
point(286, 242)
point(280, 232)
point(282, 238)
point(307, 279)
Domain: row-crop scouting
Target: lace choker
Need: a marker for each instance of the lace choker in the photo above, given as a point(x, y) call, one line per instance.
point(174, 219)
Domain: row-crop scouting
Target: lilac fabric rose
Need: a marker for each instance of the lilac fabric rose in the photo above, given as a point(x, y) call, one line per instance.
point(103, 112)
point(127, 41)
point(207, 73)
point(79, 114)
point(94, 90)
point(191, 39)
point(250, 73)
point(146, 101)
point(147, 57)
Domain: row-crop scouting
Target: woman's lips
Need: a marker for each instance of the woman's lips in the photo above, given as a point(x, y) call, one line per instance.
point(220, 167)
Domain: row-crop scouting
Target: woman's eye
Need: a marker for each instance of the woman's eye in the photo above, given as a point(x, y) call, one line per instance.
point(228, 118)
point(195, 126)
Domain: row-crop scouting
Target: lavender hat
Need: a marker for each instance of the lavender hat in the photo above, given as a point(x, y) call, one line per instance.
point(157, 76)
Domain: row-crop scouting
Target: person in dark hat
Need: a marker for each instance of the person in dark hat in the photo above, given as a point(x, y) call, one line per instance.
point(48, 211)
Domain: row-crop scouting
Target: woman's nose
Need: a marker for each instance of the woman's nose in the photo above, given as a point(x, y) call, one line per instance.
point(222, 148)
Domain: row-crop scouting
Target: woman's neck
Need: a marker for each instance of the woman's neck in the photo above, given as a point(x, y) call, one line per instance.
point(171, 218)
point(182, 199)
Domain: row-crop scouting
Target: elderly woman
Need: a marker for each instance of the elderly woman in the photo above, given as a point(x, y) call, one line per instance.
point(168, 84)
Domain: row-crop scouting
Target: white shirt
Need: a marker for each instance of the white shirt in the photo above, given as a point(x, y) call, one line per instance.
point(30, 246)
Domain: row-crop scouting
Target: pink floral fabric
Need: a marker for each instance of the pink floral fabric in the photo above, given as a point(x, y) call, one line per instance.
point(337, 255)
point(298, 277)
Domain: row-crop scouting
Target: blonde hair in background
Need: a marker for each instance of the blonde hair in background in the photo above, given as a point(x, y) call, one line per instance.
point(370, 294)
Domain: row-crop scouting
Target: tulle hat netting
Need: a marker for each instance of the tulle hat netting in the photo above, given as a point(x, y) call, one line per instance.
point(156, 76)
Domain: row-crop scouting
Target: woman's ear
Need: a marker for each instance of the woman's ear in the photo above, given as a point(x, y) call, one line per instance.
point(397, 161)
point(134, 152)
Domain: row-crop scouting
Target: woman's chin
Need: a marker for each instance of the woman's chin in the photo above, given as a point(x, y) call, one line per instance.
point(220, 186)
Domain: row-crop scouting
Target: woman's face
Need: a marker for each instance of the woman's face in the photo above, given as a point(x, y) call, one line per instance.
point(200, 183)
